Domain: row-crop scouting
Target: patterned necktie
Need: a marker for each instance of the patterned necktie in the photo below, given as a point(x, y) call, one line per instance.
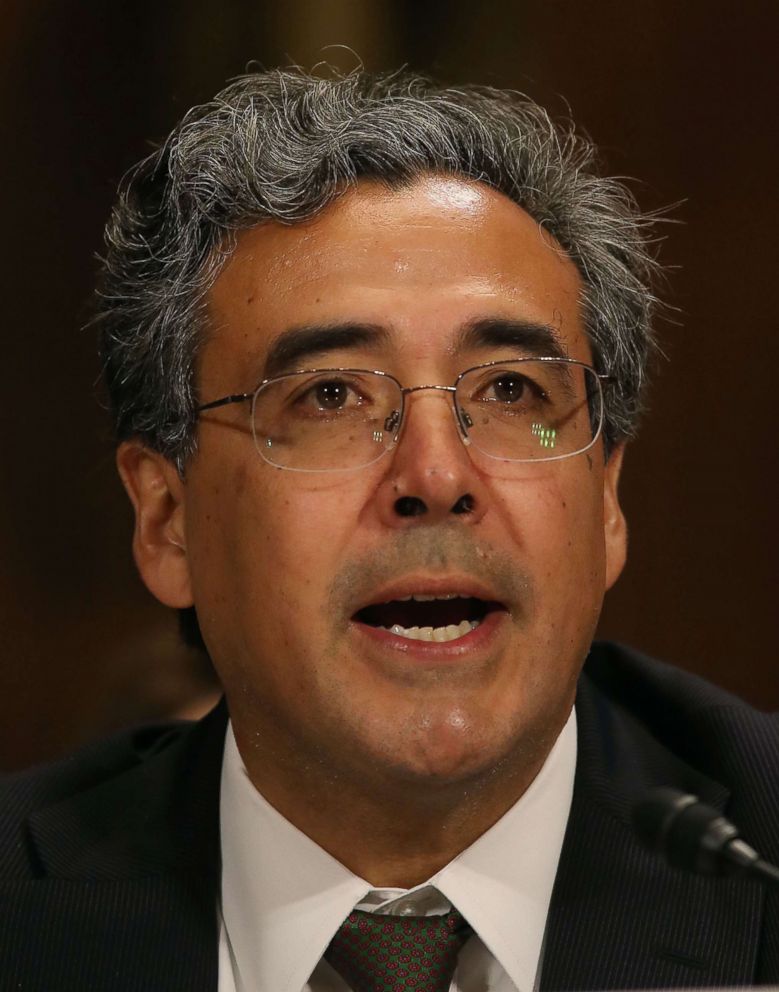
point(376, 953)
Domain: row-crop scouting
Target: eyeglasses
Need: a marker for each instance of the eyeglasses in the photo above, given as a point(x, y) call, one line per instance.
point(334, 420)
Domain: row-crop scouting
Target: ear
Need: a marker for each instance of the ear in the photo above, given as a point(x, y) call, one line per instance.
point(614, 524)
point(157, 493)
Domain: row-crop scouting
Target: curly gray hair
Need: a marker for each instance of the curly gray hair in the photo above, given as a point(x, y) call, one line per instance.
point(280, 146)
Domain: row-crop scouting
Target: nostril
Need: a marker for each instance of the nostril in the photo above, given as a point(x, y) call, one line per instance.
point(410, 506)
point(464, 504)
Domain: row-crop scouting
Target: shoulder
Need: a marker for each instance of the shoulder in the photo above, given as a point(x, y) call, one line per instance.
point(685, 712)
point(669, 697)
point(135, 764)
point(89, 766)
point(666, 726)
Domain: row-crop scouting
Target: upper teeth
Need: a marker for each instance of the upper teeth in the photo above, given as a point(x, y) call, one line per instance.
point(448, 633)
point(420, 597)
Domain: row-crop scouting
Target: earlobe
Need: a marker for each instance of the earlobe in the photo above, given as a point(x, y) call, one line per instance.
point(157, 493)
point(614, 523)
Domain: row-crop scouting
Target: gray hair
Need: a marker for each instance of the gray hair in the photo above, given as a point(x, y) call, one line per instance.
point(280, 146)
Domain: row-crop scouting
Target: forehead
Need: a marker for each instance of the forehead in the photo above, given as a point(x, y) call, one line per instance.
point(420, 261)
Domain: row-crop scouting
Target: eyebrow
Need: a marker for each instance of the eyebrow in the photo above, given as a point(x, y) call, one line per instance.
point(298, 346)
point(531, 338)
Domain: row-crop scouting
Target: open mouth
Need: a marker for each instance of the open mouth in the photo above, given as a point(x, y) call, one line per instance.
point(428, 618)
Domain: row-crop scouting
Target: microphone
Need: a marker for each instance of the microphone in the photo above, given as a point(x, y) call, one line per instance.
point(693, 836)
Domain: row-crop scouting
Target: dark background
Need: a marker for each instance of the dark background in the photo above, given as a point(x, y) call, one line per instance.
point(681, 95)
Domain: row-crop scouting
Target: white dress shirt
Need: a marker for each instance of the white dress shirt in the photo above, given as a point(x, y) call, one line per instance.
point(283, 897)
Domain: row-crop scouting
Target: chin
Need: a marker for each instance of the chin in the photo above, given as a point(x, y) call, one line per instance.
point(458, 750)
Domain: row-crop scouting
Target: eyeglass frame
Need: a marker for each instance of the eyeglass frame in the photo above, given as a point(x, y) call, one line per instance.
point(460, 414)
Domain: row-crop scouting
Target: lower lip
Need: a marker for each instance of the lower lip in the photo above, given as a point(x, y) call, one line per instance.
point(475, 640)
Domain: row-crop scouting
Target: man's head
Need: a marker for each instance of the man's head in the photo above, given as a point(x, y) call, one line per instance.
point(428, 231)
point(280, 146)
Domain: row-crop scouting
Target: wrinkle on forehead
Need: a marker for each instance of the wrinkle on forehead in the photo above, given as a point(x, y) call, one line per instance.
point(384, 236)
point(420, 260)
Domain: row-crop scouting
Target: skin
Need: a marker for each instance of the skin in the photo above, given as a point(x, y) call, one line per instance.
point(327, 717)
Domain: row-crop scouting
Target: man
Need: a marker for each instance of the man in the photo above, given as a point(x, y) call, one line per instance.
point(374, 349)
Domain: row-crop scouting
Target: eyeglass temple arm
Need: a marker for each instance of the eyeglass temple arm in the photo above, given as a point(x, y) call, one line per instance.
point(225, 400)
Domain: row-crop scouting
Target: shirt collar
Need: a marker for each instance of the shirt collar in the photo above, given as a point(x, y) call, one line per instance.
point(503, 882)
point(284, 897)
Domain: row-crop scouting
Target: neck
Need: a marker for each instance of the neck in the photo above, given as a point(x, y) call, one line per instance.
point(394, 832)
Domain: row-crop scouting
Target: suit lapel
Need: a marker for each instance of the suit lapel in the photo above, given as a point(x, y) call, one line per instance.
point(128, 876)
point(619, 918)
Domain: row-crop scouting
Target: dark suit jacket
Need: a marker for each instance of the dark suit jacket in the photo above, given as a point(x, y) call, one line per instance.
point(109, 861)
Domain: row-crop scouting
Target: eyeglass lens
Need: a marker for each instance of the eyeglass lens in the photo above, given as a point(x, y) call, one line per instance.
point(520, 411)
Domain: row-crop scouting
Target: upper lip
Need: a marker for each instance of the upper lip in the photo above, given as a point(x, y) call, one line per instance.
point(444, 585)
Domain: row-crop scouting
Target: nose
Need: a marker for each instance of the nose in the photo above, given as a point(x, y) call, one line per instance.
point(430, 477)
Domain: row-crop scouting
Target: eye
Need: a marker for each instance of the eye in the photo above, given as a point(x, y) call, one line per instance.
point(328, 395)
point(510, 387)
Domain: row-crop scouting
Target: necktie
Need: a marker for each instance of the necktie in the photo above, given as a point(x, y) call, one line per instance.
point(376, 953)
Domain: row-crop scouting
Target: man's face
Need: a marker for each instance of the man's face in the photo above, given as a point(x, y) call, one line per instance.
point(281, 563)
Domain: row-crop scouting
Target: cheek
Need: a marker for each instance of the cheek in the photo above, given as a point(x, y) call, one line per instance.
point(223, 539)
point(558, 510)
point(276, 539)
point(306, 531)
point(556, 524)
